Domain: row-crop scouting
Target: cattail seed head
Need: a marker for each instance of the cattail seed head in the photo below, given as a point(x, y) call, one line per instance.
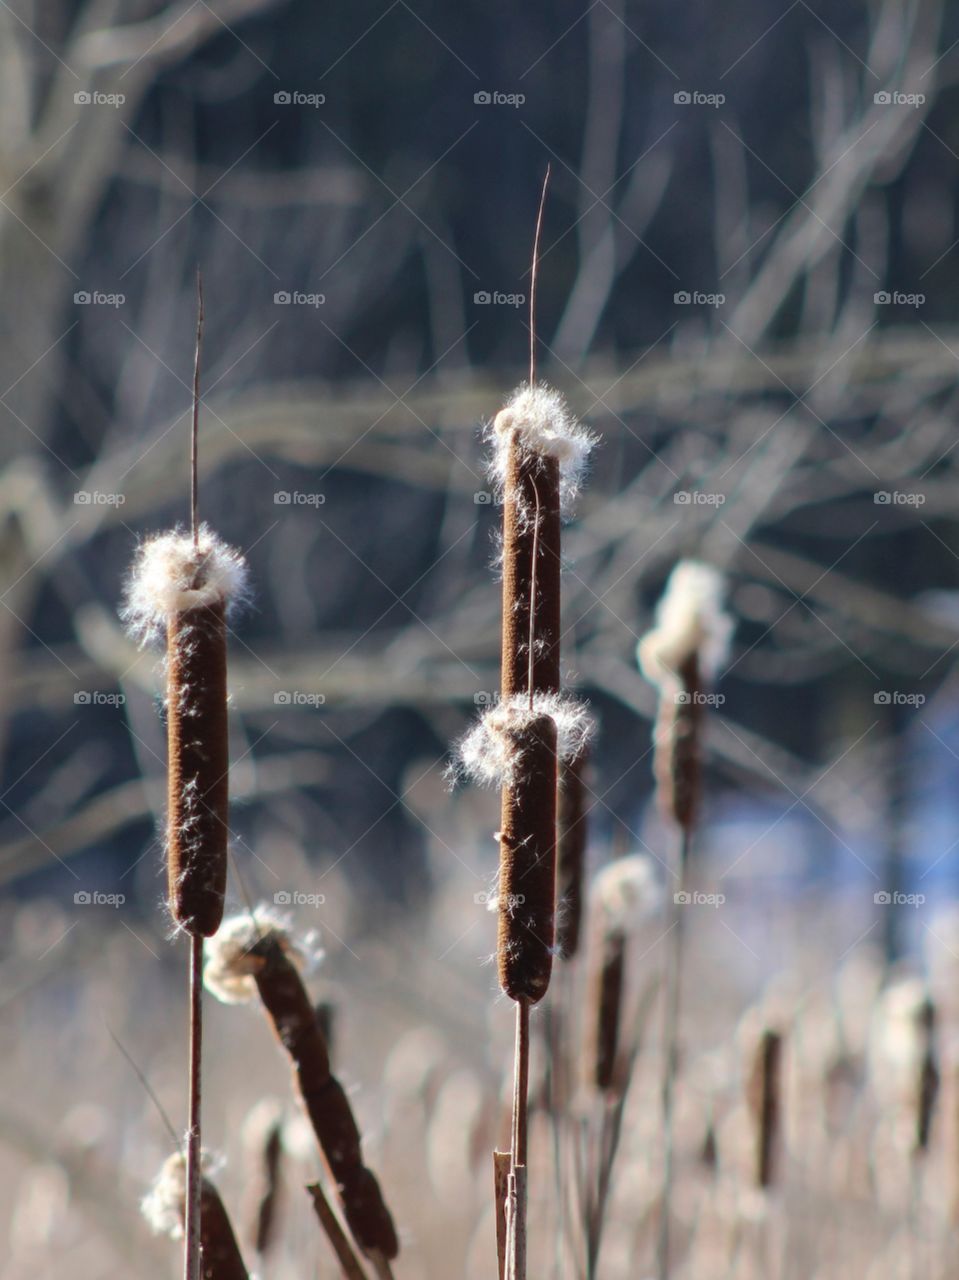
point(539, 453)
point(606, 1008)
point(165, 1209)
point(232, 959)
point(246, 951)
point(541, 422)
point(625, 895)
point(764, 1095)
point(681, 655)
point(263, 1140)
point(487, 755)
point(531, 550)
point(527, 878)
point(187, 589)
point(571, 840)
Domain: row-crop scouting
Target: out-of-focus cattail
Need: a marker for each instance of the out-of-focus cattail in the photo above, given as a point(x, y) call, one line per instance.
point(764, 1095)
point(607, 1009)
point(903, 1061)
point(927, 1086)
point(625, 896)
point(571, 842)
point(681, 656)
point(257, 954)
point(165, 1210)
point(263, 1140)
point(183, 588)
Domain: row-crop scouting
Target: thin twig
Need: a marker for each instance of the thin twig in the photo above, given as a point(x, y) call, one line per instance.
point(518, 1146)
point(534, 273)
point(671, 1054)
point(194, 518)
point(341, 1246)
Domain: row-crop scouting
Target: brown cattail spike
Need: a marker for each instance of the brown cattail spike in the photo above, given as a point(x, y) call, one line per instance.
point(165, 1210)
point(571, 855)
point(183, 592)
point(607, 1009)
point(928, 1084)
point(198, 767)
point(258, 951)
point(681, 655)
point(765, 1104)
point(527, 884)
point(531, 517)
point(676, 758)
point(220, 1257)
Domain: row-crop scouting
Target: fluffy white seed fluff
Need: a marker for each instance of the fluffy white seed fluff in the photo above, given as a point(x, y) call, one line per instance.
point(897, 1037)
point(170, 575)
point(163, 1205)
point(627, 893)
point(545, 425)
point(487, 756)
point(230, 965)
point(690, 618)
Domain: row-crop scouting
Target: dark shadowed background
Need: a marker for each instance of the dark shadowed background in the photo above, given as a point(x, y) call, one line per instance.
point(747, 289)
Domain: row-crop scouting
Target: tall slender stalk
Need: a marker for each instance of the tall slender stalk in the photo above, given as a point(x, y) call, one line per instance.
point(671, 1016)
point(679, 655)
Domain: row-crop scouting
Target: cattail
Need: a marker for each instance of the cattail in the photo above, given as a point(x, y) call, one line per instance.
point(571, 839)
point(517, 747)
point(626, 895)
point(527, 877)
point(764, 1093)
point(185, 588)
point(263, 1138)
point(927, 1086)
point(607, 1009)
point(257, 953)
point(681, 655)
point(165, 1210)
point(539, 453)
